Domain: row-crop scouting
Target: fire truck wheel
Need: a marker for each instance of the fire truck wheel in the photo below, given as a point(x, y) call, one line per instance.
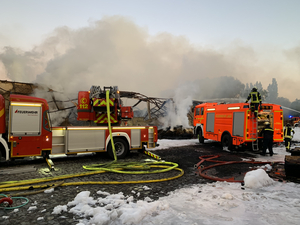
point(200, 137)
point(227, 141)
point(121, 148)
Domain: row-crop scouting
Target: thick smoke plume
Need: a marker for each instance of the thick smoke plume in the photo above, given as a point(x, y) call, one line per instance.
point(114, 51)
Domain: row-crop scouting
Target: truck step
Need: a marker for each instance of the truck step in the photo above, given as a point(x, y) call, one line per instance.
point(50, 164)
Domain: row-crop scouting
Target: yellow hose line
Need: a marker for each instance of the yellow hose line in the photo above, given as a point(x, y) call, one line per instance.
point(46, 179)
point(109, 125)
point(127, 182)
point(144, 168)
point(39, 191)
point(93, 182)
point(134, 166)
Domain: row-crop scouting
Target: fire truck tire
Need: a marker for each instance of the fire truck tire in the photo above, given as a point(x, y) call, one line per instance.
point(121, 147)
point(2, 152)
point(227, 141)
point(200, 137)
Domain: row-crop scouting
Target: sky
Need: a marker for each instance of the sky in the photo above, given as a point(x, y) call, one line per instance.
point(151, 47)
point(262, 201)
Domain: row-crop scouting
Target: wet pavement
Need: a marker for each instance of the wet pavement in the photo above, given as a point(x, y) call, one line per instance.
point(40, 207)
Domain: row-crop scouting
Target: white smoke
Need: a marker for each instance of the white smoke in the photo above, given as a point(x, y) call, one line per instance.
point(57, 102)
point(178, 109)
point(114, 51)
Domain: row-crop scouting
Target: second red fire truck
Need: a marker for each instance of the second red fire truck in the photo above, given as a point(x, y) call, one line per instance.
point(234, 125)
point(28, 130)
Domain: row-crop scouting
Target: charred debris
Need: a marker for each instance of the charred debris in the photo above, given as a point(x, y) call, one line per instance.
point(154, 108)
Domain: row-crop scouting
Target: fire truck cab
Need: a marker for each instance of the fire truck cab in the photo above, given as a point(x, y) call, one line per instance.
point(234, 125)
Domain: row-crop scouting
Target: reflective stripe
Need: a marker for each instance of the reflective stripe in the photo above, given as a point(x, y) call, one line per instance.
point(2, 112)
point(269, 129)
point(255, 97)
point(102, 102)
point(286, 135)
point(102, 118)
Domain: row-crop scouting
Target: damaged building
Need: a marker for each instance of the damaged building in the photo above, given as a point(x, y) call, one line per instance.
point(154, 108)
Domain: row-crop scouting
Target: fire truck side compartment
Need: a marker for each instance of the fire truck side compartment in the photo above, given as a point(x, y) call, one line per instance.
point(25, 120)
point(135, 138)
point(85, 140)
point(58, 140)
point(238, 124)
point(210, 122)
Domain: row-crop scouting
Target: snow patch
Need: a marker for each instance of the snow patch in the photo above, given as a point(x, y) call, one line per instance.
point(257, 179)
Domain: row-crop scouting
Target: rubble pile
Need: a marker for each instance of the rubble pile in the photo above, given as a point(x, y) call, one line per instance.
point(176, 133)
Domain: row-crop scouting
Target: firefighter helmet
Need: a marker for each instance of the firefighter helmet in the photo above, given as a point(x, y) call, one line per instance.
point(267, 123)
point(254, 88)
point(288, 125)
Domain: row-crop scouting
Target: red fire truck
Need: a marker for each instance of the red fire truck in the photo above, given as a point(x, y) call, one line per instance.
point(28, 130)
point(234, 125)
point(295, 121)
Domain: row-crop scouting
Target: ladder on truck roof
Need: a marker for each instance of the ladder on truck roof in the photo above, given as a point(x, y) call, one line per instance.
point(253, 133)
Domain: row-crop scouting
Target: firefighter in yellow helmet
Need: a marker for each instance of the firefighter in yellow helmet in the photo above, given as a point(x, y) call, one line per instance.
point(255, 97)
point(288, 136)
point(267, 133)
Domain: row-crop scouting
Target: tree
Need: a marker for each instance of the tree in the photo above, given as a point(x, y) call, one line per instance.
point(273, 91)
point(283, 101)
point(220, 87)
point(246, 91)
point(296, 105)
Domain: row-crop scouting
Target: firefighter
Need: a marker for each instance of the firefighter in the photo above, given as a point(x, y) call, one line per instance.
point(255, 100)
point(288, 136)
point(267, 133)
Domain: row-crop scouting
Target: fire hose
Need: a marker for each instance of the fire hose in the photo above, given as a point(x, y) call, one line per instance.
point(135, 168)
point(132, 167)
point(7, 202)
point(210, 158)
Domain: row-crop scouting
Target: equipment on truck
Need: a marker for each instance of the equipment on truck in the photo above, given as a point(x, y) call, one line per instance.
point(295, 121)
point(92, 106)
point(28, 131)
point(234, 125)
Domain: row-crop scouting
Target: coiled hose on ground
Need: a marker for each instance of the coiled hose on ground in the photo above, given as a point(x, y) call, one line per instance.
point(114, 166)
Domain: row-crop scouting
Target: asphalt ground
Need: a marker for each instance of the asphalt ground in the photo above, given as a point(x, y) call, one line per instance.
point(186, 157)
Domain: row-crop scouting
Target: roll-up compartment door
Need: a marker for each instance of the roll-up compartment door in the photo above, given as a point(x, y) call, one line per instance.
point(238, 124)
point(210, 122)
point(135, 138)
point(85, 140)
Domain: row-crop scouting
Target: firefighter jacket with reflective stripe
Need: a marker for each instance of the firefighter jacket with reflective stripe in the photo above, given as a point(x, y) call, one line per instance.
point(255, 97)
point(267, 132)
point(288, 132)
